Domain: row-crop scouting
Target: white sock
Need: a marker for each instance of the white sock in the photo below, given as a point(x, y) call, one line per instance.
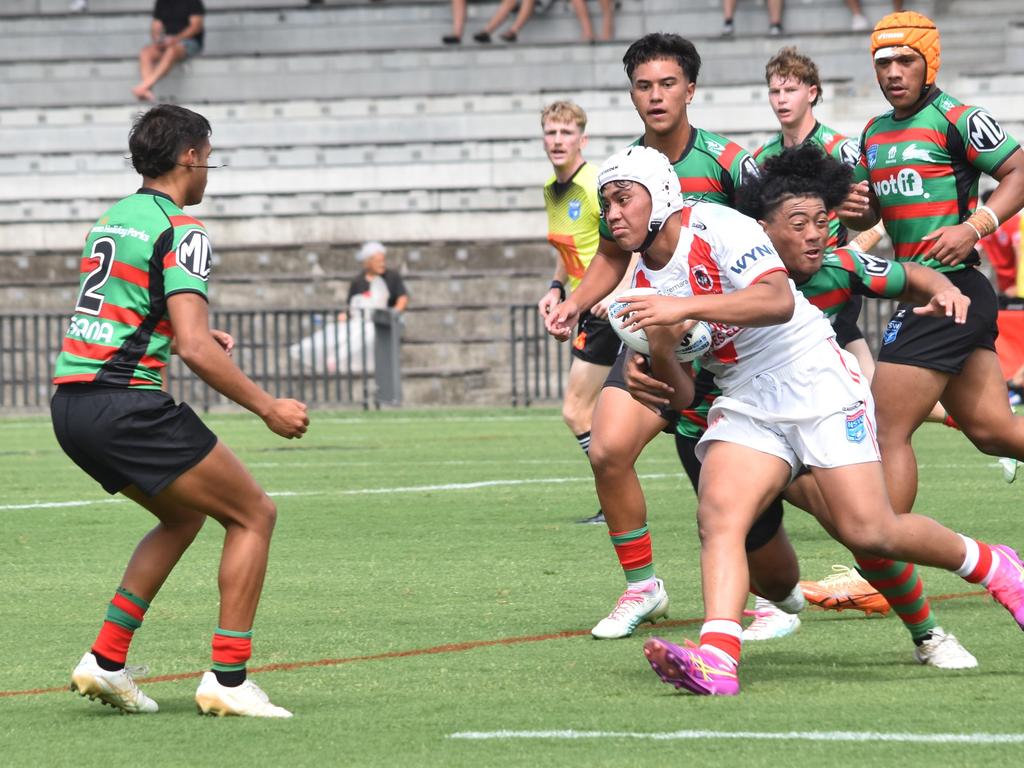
point(794, 602)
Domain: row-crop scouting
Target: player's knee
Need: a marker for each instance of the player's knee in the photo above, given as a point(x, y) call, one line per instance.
point(608, 458)
point(863, 536)
point(991, 439)
point(266, 514)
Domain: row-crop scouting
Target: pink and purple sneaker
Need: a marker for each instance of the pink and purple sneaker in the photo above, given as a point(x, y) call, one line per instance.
point(693, 668)
point(1007, 585)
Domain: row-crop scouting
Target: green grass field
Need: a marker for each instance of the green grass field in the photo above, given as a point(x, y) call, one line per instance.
point(427, 582)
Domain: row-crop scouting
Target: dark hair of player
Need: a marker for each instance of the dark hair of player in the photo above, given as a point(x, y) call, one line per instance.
point(662, 45)
point(803, 171)
point(159, 136)
point(790, 64)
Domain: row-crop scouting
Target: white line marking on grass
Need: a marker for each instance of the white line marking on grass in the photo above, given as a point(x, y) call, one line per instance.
point(59, 504)
point(457, 486)
point(441, 463)
point(856, 736)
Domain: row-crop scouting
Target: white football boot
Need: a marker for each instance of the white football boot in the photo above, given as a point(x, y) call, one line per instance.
point(769, 622)
point(245, 700)
point(117, 689)
point(634, 606)
point(943, 651)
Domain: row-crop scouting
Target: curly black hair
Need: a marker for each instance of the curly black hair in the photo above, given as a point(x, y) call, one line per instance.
point(159, 136)
point(801, 171)
point(663, 45)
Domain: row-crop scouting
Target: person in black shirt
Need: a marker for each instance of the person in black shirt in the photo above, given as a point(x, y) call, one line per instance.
point(177, 34)
point(376, 287)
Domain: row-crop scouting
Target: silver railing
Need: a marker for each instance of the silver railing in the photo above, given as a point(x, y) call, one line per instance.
point(540, 364)
point(305, 354)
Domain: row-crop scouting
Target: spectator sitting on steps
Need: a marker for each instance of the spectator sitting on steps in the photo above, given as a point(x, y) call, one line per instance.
point(177, 34)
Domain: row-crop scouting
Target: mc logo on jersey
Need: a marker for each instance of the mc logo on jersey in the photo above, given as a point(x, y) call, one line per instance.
point(906, 182)
point(575, 209)
point(984, 132)
point(849, 153)
point(194, 254)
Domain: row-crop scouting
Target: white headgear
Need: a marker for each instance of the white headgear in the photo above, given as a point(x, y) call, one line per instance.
point(369, 249)
point(652, 170)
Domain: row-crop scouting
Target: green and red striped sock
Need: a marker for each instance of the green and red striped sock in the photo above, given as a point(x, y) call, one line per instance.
point(902, 587)
point(231, 651)
point(633, 548)
point(124, 616)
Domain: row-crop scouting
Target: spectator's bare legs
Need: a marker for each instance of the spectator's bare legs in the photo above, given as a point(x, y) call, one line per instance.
point(897, 6)
point(500, 15)
point(580, 7)
point(775, 12)
point(607, 19)
point(525, 11)
point(458, 18)
point(155, 62)
point(219, 487)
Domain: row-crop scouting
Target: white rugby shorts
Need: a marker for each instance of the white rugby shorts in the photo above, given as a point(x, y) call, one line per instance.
point(815, 411)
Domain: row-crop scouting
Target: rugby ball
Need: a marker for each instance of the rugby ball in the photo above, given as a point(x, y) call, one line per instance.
point(694, 344)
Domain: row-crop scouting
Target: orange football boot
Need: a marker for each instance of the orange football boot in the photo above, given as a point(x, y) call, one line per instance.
point(844, 589)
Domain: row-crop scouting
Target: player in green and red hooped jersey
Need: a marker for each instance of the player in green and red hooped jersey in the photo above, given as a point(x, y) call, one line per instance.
point(923, 160)
point(151, 263)
point(662, 71)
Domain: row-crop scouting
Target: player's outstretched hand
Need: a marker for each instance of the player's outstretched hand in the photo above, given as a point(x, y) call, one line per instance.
point(561, 320)
point(951, 245)
point(947, 303)
point(287, 418)
point(653, 310)
point(645, 389)
point(225, 339)
point(857, 203)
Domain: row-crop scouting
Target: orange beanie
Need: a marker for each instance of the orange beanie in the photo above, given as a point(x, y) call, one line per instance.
point(913, 30)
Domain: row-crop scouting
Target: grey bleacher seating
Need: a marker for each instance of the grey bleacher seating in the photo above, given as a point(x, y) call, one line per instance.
point(350, 121)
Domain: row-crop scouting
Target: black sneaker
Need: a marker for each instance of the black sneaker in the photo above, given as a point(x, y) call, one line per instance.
point(597, 519)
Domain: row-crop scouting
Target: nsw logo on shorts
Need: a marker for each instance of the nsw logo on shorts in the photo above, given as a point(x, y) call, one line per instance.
point(891, 330)
point(856, 422)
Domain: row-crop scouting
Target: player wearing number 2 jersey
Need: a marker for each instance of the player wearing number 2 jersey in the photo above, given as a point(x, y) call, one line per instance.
point(918, 171)
point(143, 290)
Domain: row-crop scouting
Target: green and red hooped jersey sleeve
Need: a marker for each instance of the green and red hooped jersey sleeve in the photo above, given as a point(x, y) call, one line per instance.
point(846, 272)
point(141, 251)
point(924, 169)
point(711, 168)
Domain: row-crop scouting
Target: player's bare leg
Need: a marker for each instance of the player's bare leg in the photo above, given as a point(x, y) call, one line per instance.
point(725, 512)
point(621, 429)
point(221, 487)
point(904, 395)
point(581, 393)
point(160, 550)
point(977, 400)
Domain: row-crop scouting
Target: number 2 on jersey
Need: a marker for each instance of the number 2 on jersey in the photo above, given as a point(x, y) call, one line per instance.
point(89, 301)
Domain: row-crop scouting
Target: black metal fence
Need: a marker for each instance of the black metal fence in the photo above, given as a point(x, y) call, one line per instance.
point(540, 364)
point(305, 354)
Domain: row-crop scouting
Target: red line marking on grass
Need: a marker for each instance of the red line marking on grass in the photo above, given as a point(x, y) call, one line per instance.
point(447, 648)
